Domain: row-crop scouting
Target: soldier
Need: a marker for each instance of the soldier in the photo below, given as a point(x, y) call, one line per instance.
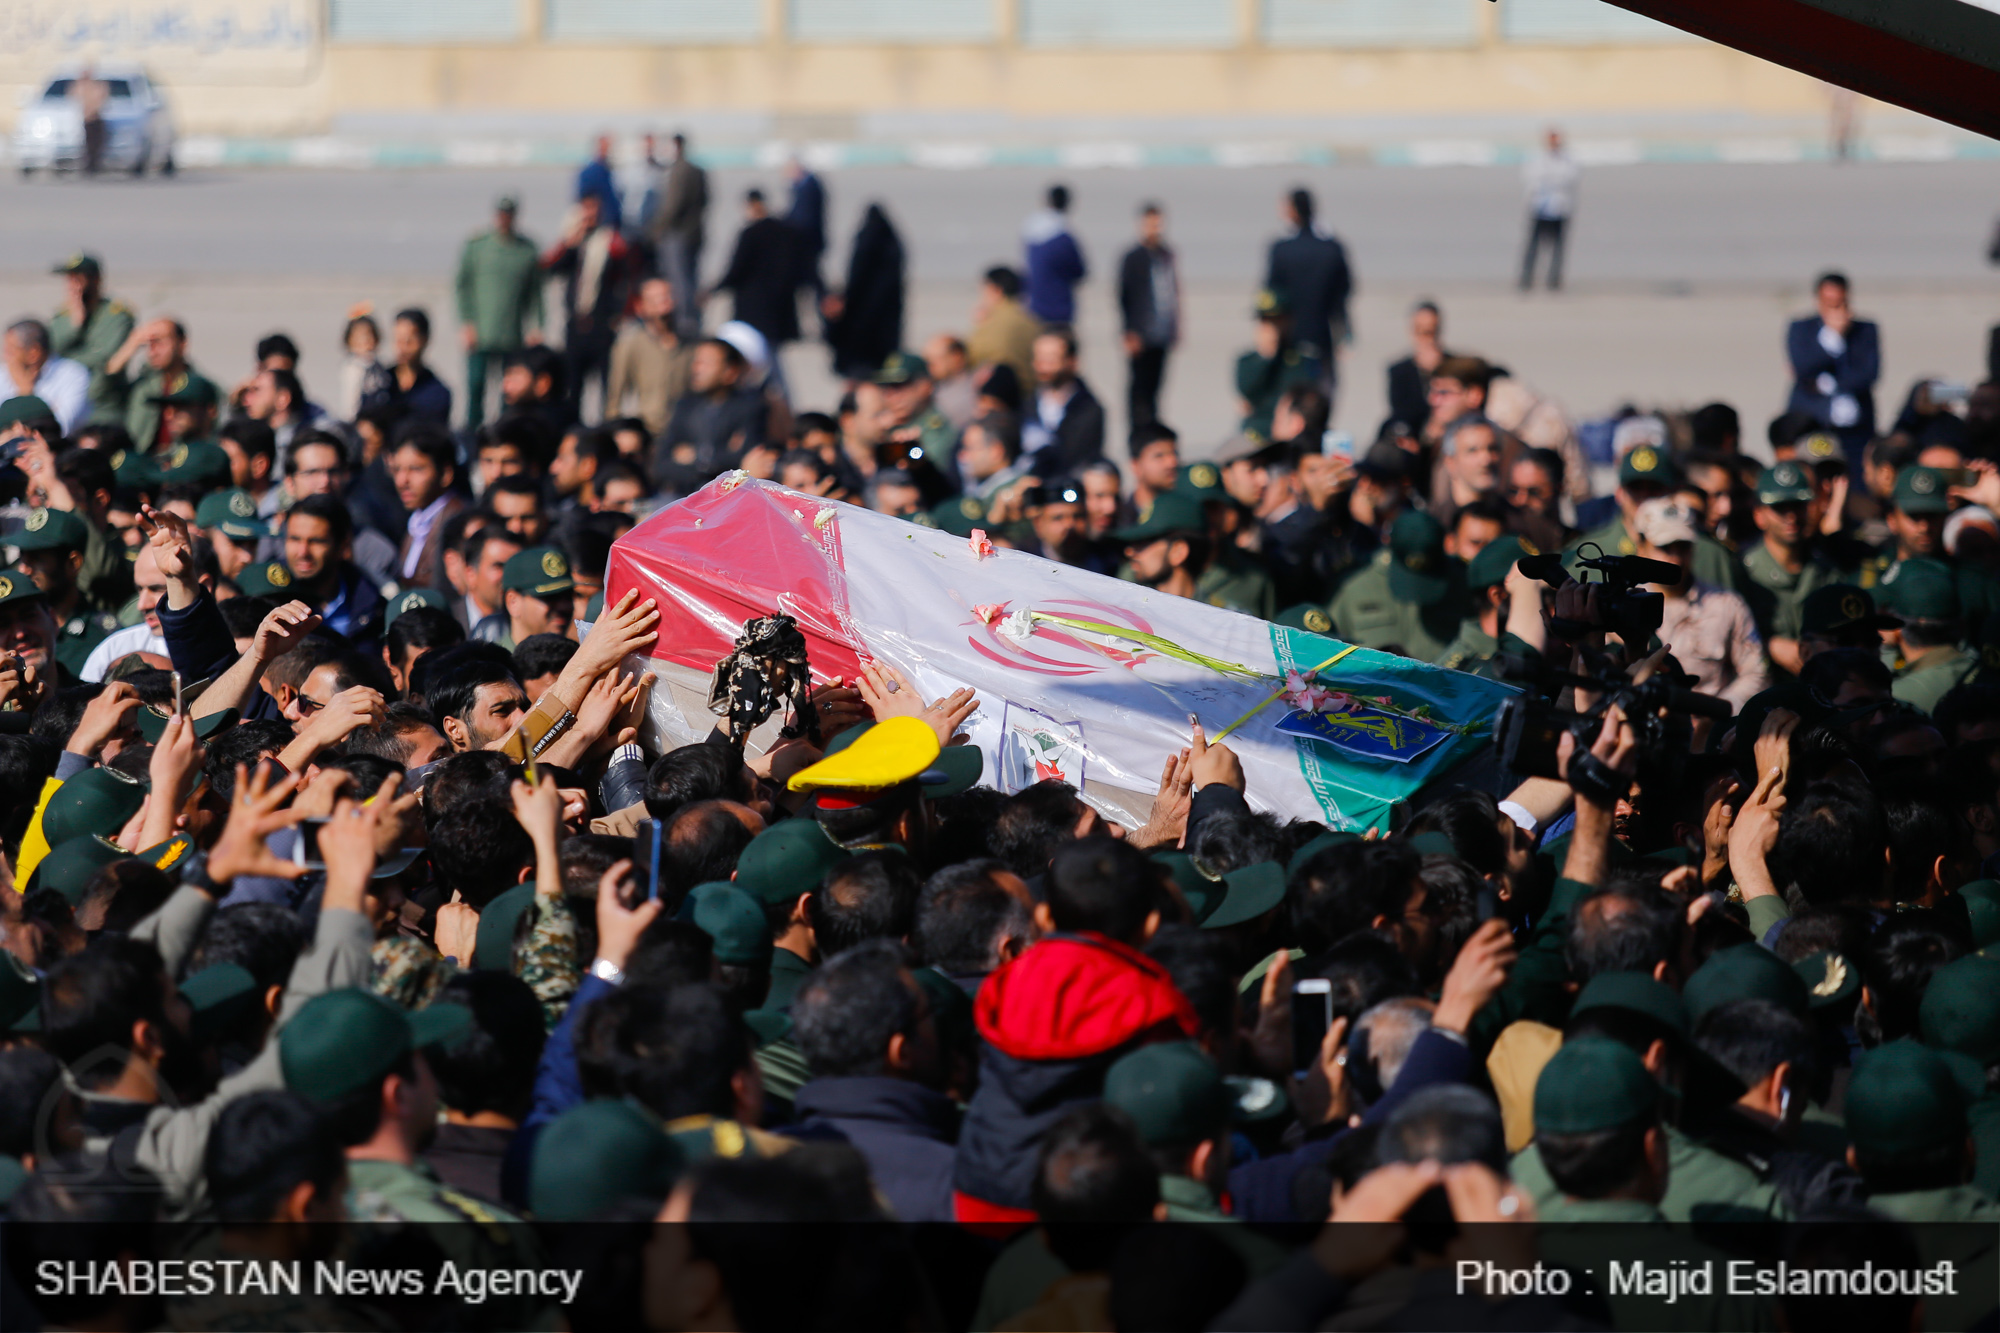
point(598, 1154)
point(51, 545)
point(537, 588)
point(27, 644)
point(1490, 642)
point(229, 520)
point(499, 302)
point(1918, 506)
point(1273, 364)
point(1789, 564)
point(164, 370)
point(909, 417)
point(90, 328)
point(1234, 579)
point(780, 868)
point(1840, 615)
point(1645, 473)
point(1168, 548)
point(1925, 595)
point(1410, 599)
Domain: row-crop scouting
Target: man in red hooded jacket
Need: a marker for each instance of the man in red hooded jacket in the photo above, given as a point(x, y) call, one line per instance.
point(1059, 1015)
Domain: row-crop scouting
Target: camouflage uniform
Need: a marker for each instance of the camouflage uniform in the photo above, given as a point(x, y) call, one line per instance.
point(408, 971)
point(547, 961)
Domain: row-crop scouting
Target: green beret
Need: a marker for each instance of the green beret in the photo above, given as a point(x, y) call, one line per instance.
point(343, 1040)
point(68, 869)
point(1249, 893)
point(96, 800)
point(51, 530)
point(1903, 1101)
point(1495, 561)
point(1786, 483)
point(959, 515)
point(409, 600)
point(1592, 1085)
point(540, 570)
point(1173, 1092)
point(231, 512)
point(1638, 993)
point(598, 1154)
point(1170, 513)
point(1922, 490)
point(787, 859)
point(734, 920)
point(1645, 464)
point(1744, 972)
point(1922, 590)
point(1308, 616)
point(493, 950)
point(1830, 979)
point(265, 578)
point(25, 408)
point(1982, 904)
point(1961, 1009)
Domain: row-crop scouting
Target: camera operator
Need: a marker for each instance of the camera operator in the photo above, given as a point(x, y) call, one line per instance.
point(1709, 630)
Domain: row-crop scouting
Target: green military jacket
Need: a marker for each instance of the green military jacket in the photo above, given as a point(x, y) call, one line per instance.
point(1236, 581)
point(1366, 612)
point(1777, 596)
point(1587, 1236)
point(499, 289)
point(1713, 562)
point(773, 1021)
point(1970, 1248)
point(1262, 380)
point(79, 634)
point(1931, 674)
point(1702, 1185)
point(139, 382)
point(476, 1234)
point(106, 576)
point(103, 332)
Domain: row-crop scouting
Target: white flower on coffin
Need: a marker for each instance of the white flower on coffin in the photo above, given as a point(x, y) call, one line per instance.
point(1018, 626)
point(823, 519)
point(731, 480)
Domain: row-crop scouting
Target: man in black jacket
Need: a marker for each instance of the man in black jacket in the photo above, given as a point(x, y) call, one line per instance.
point(1310, 268)
point(1149, 301)
point(1062, 427)
point(764, 274)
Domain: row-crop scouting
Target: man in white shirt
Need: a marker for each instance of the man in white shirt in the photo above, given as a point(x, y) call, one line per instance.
point(61, 383)
point(1550, 176)
point(144, 637)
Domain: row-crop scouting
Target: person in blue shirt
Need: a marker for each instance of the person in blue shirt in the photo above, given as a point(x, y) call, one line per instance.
point(596, 180)
point(1055, 261)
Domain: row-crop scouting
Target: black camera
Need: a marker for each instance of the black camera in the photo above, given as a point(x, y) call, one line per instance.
point(1623, 608)
point(1528, 731)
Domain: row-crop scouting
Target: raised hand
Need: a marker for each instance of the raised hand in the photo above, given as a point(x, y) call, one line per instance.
point(256, 811)
point(103, 717)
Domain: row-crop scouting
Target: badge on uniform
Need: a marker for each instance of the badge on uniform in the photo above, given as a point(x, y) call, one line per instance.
point(1365, 733)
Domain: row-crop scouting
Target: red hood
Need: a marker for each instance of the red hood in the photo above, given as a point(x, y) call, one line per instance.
point(1074, 996)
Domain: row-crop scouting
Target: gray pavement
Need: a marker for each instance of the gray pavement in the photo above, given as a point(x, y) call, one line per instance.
point(1680, 276)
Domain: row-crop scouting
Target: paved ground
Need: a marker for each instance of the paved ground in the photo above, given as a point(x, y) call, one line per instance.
point(1680, 277)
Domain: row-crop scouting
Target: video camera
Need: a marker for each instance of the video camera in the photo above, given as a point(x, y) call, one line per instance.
point(1625, 610)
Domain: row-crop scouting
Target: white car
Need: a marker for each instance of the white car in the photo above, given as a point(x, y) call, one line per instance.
point(138, 132)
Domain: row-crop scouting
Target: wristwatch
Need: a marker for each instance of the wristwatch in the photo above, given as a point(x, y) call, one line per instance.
point(194, 872)
point(606, 970)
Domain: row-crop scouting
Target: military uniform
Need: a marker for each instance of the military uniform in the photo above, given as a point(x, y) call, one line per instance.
point(1927, 591)
point(1262, 380)
point(1931, 674)
point(1648, 467)
point(85, 628)
point(471, 1233)
point(103, 331)
point(143, 391)
point(1236, 581)
point(539, 571)
point(1777, 595)
point(1411, 598)
point(1476, 651)
point(499, 292)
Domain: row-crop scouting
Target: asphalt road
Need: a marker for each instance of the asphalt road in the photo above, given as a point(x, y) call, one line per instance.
point(1680, 276)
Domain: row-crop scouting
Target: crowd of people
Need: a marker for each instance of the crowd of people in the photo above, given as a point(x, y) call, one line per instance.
point(343, 882)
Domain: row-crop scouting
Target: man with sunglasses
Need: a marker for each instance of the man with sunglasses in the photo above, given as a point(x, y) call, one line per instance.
point(1790, 564)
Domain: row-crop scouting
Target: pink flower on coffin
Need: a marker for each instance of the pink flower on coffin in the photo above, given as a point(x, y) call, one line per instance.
point(981, 545)
point(988, 612)
point(1336, 702)
point(1303, 694)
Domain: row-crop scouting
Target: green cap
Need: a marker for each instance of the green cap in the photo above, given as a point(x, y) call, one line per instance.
point(1173, 1092)
point(1839, 607)
point(1419, 570)
point(80, 263)
point(1495, 561)
point(733, 919)
point(232, 513)
point(218, 996)
point(51, 530)
point(1922, 590)
point(506, 203)
point(1637, 992)
point(68, 868)
point(1645, 465)
point(598, 1154)
point(959, 516)
point(167, 855)
point(1202, 888)
point(541, 570)
point(1743, 972)
point(1820, 447)
point(188, 390)
point(20, 992)
point(1961, 1009)
point(1251, 891)
point(151, 720)
point(265, 578)
point(1271, 303)
point(787, 859)
point(493, 949)
point(1922, 490)
point(1903, 1101)
point(409, 600)
point(26, 407)
point(195, 461)
point(1201, 480)
point(1591, 1085)
point(96, 800)
point(343, 1040)
point(956, 769)
point(1334, 838)
point(1308, 616)
point(901, 367)
point(1982, 904)
point(1168, 514)
point(1786, 483)
point(1830, 979)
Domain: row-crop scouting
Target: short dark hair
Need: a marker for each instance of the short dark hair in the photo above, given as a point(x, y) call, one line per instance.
point(1302, 204)
point(1152, 432)
point(29, 1078)
point(1629, 928)
point(1342, 889)
point(1752, 1037)
point(417, 320)
point(422, 627)
point(391, 740)
point(1714, 425)
point(847, 1010)
point(963, 917)
point(1003, 279)
point(86, 471)
point(1904, 955)
point(674, 1052)
point(543, 655)
point(491, 1065)
point(91, 999)
point(1833, 276)
point(1094, 1181)
point(703, 771)
point(463, 778)
point(357, 670)
point(1059, 198)
point(1033, 823)
point(585, 858)
point(1471, 819)
point(702, 843)
point(328, 509)
point(1447, 1123)
point(1593, 1165)
point(518, 483)
point(262, 1147)
point(264, 939)
point(869, 896)
point(1234, 839)
point(26, 765)
point(434, 444)
point(277, 344)
point(245, 743)
point(1202, 967)
point(452, 689)
point(244, 615)
point(1104, 885)
point(1364, 970)
point(480, 849)
point(1004, 429)
point(1830, 838)
point(255, 438)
